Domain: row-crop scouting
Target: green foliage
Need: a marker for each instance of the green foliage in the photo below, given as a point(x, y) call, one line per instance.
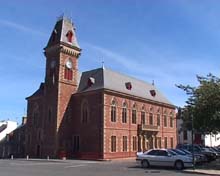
point(203, 104)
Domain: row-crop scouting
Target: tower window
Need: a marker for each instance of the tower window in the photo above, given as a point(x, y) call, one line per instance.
point(69, 36)
point(68, 74)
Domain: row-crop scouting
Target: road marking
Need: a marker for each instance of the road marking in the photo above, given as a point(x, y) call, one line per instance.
point(81, 165)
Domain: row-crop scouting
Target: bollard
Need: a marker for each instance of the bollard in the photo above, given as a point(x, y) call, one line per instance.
point(27, 157)
point(48, 158)
point(12, 157)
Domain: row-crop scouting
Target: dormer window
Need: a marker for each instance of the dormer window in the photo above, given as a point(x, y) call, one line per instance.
point(128, 85)
point(69, 36)
point(54, 35)
point(153, 93)
point(91, 81)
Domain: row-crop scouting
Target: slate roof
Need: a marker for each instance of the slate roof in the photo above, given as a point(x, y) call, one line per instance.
point(111, 80)
point(61, 28)
point(38, 93)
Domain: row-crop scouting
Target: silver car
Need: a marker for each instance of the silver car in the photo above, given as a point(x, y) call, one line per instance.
point(163, 157)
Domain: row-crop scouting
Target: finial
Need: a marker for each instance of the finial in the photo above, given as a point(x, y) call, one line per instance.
point(71, 19)
point(153, 82)
point(103, 66)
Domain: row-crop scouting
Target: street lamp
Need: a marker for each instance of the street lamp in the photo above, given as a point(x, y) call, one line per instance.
point(193, 158)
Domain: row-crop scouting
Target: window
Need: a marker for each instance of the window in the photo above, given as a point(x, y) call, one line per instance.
point(68, 74)
point(162, 153)
point(159, 142)
point(158, 119)
point(113, 143)
point(85, 112)
point(128, 85)
point(152, 152)
point(151, 119)
point(124, 113)
point(171, 121)
point(54, 35)
point(165, 142)
point(171, 142)
point(134, 114)
point(113, 111)
point(165, 120)
point(142, 117)
point(69, 36)
point(134, 143)
point(185, 135)
point(125, 143)
point(76, 145)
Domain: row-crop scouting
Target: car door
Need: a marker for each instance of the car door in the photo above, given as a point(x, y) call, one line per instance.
point(152, 157)
point(164, 158)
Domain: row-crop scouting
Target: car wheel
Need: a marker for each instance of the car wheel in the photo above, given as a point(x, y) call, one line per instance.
point(179, 165)
point(145, 164)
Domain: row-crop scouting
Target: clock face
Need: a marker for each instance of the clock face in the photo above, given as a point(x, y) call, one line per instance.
point(69, 64)
point(53, 64)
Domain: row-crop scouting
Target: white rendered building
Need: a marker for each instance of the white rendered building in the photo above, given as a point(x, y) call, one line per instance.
point(212, 140)
point(7, 127)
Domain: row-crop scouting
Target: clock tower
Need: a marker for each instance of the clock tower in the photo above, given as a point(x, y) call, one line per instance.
point(61, 80)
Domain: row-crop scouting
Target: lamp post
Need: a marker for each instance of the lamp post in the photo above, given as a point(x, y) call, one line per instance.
point(193, 158)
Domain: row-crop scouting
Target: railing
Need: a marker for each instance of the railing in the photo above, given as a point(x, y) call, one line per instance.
point(144, 127)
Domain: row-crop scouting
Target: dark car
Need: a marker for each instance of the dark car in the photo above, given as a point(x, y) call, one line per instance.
point(196, 149)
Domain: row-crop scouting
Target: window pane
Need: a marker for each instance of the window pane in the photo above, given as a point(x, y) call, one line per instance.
point(142, 117)
point(151, 119)
point(134, 116)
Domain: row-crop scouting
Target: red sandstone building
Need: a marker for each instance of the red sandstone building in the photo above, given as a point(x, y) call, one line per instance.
point(100, 114)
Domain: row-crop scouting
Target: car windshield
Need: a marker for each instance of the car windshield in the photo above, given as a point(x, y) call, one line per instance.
point(172, 152)
point(179, 152)
point(186, 151)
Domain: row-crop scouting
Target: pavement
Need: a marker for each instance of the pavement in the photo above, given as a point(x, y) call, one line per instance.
point(212, 168)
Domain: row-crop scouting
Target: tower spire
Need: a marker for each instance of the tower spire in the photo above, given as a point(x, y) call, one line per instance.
point(64, 34)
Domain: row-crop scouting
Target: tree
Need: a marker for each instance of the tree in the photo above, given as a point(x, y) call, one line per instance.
point(203, 104)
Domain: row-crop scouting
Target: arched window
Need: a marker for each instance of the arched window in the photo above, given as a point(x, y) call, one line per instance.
point(85, 112)
point(124, 113)
point(165, 119)
point(68, 73)
point(151, 116)
point(113, 111)
point(134, 114)
point(143, 121)
point(171, 119)
point(158, 117)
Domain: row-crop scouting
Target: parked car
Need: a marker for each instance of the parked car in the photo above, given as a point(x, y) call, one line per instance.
point(201, 158)
point(163, 157)
point(179, 152)
point(196, 149)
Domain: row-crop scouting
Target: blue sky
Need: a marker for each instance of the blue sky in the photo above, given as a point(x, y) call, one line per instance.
point(165, 41)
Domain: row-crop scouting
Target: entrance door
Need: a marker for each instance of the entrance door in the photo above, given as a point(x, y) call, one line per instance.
point(150, 142)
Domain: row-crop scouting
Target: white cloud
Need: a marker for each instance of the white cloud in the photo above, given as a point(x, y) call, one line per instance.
point(20, 27)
